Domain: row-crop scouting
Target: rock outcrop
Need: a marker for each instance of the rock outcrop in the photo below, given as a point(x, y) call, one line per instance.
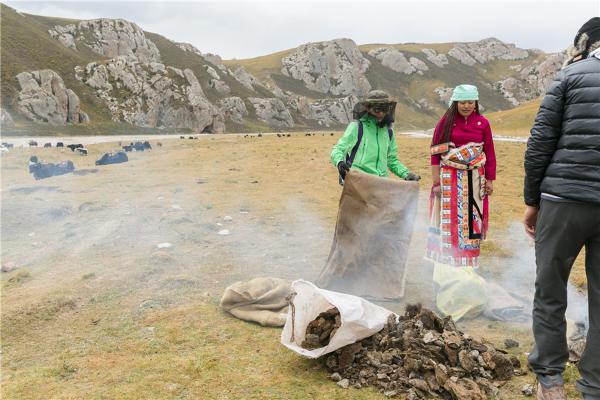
point(327, 78)
point(108, 37)
point(336, 67)
point(6, 120)
point(233, 108)
point(532, 81)
point(245, 78)
point(437, 59)
point(444, 94)
point(240, 74)
point(397, 61)
point(486, 50)
point(45, 98)
point(272, 111)
point(393, 59)
point(327, 112)
point(152, 95)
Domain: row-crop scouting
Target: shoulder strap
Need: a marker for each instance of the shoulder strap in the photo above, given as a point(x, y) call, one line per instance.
point(350, 157)
point(390, 133)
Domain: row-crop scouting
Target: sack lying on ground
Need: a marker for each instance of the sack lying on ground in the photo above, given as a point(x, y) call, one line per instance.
point(461, 292)
point(360, 318)
point(261, 300)
point(372, 236)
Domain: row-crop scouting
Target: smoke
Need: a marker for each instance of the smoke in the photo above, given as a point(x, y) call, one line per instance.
point(291, 243)
point(516, 274)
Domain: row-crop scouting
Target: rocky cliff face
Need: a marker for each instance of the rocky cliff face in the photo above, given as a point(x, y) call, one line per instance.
point(152, 95)
point(45, 98)
point(336, 67)
point(327, 112)
point(486, 50)
point(272, 111)
point(397, 61)
point(6, 119)
point(109, 38)
point(532, 81)
point(314, 85)
point(233, 108)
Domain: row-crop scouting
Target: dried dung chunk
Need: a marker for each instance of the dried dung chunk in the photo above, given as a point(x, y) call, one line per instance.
point(421, 356)
point(320, 331)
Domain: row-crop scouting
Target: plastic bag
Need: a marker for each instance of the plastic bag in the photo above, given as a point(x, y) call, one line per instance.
point(360, 318)
point(461, 292)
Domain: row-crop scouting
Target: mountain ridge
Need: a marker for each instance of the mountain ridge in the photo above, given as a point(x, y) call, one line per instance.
point(128, 78)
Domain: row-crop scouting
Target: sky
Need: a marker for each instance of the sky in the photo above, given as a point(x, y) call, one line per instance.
point(246, 29)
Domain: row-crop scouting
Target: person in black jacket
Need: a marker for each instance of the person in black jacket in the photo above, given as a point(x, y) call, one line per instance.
point(562, 194)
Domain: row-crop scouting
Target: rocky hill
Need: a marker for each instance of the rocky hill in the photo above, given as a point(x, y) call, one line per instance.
point(112, 75)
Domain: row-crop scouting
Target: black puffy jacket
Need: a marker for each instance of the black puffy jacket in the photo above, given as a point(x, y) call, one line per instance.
point(563, 151)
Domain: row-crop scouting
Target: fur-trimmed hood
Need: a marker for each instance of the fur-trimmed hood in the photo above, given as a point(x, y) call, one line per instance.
point(586, 41)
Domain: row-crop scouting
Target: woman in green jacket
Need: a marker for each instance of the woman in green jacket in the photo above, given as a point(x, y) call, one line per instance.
point(377, 150)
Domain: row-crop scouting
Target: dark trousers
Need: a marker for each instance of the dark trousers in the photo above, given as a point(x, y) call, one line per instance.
point(562, 229)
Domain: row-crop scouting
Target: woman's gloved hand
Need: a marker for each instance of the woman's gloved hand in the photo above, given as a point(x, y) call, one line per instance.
point(343, 168)
point(411, 176)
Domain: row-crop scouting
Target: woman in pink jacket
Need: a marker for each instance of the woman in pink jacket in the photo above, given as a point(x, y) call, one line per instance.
point(463, 166)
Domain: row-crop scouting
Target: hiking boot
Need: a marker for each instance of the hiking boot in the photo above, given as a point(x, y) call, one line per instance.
point(554, 392)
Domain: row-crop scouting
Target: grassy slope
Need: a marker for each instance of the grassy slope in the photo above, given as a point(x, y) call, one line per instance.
point(26, 46)
point(517, 121)
point(262, 66)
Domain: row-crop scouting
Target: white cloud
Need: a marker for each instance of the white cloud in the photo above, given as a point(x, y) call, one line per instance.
point(242, 29)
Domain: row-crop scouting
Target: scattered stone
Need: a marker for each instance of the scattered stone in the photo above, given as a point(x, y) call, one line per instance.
point(227, 218)
point(164, 245)
point(8, 266)
point(223, 232)
point(510, 343)
point(344, 383)
point(335, 377)
point(528, 390)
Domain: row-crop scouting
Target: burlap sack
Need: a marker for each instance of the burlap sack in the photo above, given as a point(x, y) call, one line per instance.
point(372, 236)
point(261, 300)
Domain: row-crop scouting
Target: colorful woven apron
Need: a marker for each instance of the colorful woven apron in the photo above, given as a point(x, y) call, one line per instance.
point(459, 216)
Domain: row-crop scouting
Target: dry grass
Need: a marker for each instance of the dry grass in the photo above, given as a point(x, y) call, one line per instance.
point(97, 311)
point(516, 121)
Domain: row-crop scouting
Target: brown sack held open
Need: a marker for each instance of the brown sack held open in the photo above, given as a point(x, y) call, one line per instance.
point(372, 236)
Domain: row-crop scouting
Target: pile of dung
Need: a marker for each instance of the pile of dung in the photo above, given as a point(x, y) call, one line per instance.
point(425, 357)
point(321, 329)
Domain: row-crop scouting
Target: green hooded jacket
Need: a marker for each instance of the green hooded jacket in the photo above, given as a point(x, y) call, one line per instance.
point(376, 152)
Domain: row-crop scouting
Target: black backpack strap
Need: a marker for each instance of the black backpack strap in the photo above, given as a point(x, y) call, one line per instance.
point(390, 133)
point(350, 157)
